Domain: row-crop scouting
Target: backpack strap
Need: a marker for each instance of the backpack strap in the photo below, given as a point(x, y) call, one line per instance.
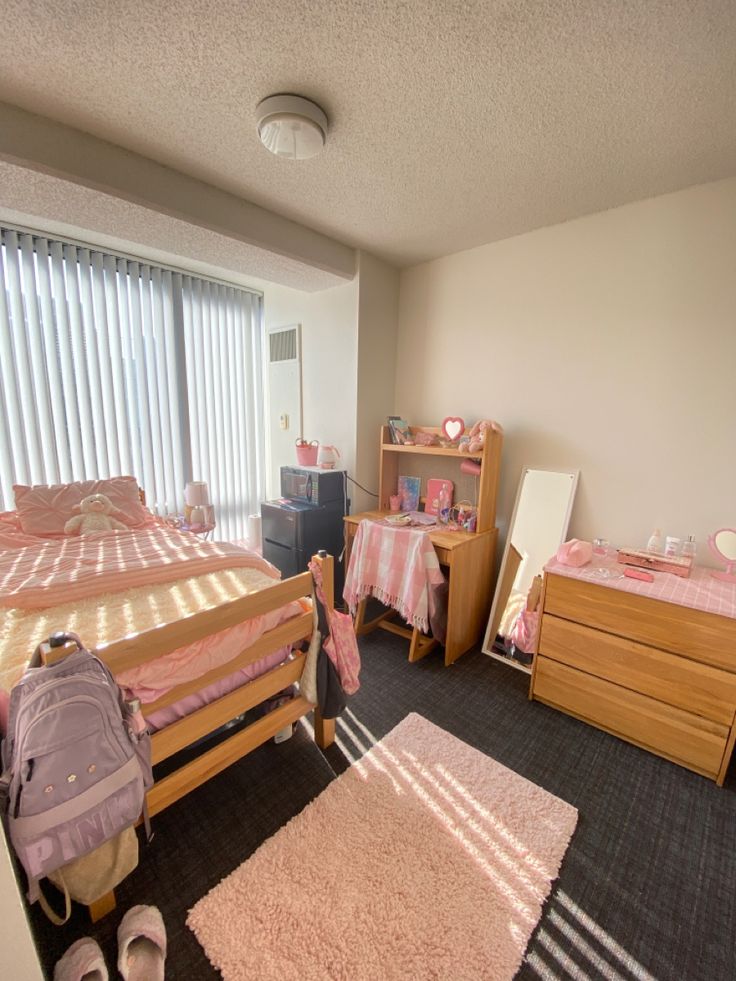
point(316, 569)
point(59, 639)
point(322, 620)
point(5, 779)
point(36, 893)
point(147, 820)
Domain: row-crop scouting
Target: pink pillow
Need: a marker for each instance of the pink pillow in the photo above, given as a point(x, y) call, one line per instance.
point(44, 509)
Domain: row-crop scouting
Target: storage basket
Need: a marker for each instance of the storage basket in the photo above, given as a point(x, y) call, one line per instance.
point(306, 453)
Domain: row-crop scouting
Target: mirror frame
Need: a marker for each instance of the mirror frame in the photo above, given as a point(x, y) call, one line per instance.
point(488, 641)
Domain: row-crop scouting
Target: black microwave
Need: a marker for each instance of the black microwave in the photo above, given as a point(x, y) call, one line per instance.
point(312, 485)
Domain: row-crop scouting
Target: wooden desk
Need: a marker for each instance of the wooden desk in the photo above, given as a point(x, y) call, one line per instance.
point(467, 559)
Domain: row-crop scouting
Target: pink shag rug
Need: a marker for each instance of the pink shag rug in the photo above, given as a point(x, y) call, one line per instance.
point(425, 859)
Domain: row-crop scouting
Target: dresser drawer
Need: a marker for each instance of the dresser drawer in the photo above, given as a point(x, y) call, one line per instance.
point(690, 685)
point(670, 732)
point(701, 636)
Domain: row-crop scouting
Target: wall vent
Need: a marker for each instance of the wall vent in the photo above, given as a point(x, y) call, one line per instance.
point(284, 405)
point(283, 345)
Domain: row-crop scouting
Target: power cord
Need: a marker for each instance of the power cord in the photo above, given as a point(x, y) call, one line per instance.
point(348, 477)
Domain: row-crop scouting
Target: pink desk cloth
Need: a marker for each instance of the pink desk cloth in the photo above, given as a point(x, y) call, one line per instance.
point(399, 567)
point(700, 591)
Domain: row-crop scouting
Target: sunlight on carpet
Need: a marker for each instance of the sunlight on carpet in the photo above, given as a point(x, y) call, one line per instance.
point(573, 923)
point(426, 858)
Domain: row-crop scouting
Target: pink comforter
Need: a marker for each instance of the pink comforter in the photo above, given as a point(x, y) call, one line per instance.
point(59, 571)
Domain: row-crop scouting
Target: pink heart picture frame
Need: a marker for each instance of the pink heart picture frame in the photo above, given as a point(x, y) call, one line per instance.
point(452, 428)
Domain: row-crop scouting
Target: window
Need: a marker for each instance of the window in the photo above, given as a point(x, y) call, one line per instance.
point(113, 366)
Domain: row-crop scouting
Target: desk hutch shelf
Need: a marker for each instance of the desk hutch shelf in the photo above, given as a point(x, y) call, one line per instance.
point(396, 459)
point(466, 557)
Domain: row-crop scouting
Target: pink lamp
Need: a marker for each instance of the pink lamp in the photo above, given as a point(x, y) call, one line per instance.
point(197, 498)
point(196, 493)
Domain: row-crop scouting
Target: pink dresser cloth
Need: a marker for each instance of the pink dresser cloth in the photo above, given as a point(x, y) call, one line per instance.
point(700, 591)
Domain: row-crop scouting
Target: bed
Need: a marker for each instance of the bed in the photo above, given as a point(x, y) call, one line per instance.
point(200, 631)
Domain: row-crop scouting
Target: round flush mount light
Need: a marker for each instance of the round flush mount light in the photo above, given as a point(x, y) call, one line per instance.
point(291, 126)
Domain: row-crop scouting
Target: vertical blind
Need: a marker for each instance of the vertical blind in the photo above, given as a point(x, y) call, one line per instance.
point(112, 366)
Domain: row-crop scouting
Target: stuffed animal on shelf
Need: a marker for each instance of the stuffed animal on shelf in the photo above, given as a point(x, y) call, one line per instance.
point(95, 517)
point(426, 439)
point(476, 438)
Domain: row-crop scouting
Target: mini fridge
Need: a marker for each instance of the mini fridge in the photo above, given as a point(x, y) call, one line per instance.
point(293, 530)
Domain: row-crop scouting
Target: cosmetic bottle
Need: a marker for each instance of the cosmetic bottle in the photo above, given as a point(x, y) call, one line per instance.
point(655, 543)
point(672, 546)
point(689, 549)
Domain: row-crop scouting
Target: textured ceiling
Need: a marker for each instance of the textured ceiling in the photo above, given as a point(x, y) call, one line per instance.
point(451, 123)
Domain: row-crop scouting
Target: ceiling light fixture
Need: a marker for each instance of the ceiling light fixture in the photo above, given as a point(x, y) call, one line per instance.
point(291, 126)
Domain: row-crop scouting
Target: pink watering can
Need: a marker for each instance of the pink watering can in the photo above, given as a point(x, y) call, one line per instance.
point(327, 457)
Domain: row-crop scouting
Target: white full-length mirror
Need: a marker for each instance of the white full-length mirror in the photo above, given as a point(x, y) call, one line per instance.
point(538, 526)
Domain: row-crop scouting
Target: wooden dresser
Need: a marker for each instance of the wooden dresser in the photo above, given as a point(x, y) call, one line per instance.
point(652, 671)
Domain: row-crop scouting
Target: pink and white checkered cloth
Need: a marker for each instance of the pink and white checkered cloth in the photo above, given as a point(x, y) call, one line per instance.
point(397, 566)
point(700, 591)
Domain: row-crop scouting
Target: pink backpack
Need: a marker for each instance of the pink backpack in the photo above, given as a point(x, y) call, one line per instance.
point(75, 764)
point(341, 644)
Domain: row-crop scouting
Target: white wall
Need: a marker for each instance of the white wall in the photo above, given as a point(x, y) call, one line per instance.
point(606, 344)
point(349, 357)
point(16, 939)
point(329, 322)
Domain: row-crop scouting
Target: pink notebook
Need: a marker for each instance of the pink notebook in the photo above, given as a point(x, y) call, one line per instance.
point(434, 486)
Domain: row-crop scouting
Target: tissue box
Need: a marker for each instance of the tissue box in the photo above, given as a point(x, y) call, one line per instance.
point(678, 565)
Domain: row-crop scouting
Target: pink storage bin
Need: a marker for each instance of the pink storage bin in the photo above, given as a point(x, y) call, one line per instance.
point(306, 453)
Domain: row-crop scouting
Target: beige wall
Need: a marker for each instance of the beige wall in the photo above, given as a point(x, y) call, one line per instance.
point(329, 329)
point(606, 344)
point(377, 333)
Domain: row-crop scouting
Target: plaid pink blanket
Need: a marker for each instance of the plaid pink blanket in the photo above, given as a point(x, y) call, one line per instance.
point(396, 565)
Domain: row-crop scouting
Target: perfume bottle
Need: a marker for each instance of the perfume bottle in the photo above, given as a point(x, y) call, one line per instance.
point(689, 549)
point(656, 543)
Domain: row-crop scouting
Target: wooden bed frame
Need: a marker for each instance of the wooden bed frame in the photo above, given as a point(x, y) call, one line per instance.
point(138, 649)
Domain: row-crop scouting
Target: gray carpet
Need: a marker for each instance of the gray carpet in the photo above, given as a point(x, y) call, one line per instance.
point(646, 889)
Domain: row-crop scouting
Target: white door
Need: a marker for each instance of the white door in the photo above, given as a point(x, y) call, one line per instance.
point(284, 400)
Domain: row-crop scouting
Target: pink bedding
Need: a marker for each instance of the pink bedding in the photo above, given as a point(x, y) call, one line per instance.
point(165, 716)
point(58, 571)
point(155, 678)
point(101, 580)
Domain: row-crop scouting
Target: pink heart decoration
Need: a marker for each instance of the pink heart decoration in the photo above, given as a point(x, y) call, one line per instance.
point(453, 427)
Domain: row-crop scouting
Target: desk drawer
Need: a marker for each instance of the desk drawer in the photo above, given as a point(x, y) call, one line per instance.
point(679, 681)
point(443, 555)
point(670, 732)
point(701, 636)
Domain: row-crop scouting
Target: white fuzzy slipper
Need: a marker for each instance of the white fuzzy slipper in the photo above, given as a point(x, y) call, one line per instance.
point(82, 962)
point(142, 944)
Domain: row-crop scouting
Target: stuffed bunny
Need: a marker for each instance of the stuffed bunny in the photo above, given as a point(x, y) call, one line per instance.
point(476, 438)
point(95, 517)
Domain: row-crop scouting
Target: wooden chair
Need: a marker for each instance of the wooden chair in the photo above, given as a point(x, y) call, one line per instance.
point(420, 644)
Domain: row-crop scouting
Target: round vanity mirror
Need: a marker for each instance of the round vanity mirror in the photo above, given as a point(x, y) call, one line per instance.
point(723, 545)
